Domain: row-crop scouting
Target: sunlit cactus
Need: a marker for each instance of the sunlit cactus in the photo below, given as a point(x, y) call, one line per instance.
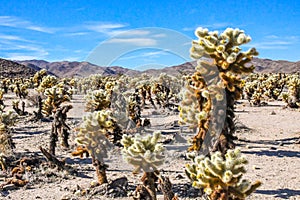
point(221, 73)
point(221, 178)
point(293, 96)
point(55, 96)
point(97, 100)
point(7, 119)
point(93, 135)
point(144, 153)
point(38, 77)
point(47, 82)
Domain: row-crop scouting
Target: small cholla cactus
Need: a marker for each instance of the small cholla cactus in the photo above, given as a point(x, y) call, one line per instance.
point(1, 97)
point(221, 178)
point(93, 135)
point(147, 154)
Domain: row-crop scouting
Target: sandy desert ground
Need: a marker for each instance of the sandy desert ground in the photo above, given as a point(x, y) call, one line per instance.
point(267, 135)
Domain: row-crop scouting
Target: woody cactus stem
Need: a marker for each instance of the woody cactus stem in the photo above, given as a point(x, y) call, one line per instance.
point(231, 64)
point(100, 171)
point(59, 127)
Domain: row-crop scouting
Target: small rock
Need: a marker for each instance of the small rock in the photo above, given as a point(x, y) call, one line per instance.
point(272, 113)
point(273, 148)
point(179, 176)
point(255, 167)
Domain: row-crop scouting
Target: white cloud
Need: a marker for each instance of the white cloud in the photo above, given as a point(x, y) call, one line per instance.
point(105, 28)
point(15, 22)
point(133, 41)
point(3, 38)
point(17, 56)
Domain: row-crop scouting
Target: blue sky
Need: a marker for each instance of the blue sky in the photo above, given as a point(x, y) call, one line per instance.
point(141, 34)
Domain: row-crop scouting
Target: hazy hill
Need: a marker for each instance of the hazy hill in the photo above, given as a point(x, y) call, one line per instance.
point(83, 69)
point(77, 69)
point(10, 69)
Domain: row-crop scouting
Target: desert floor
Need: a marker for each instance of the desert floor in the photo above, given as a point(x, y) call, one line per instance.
point(267, 136)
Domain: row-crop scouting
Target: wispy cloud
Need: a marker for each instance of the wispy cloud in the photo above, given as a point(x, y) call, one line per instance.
point(4, 38)
point(109, 29)
point(15, 22)
point(274, 42)
point(76, 34)
point(134, 41)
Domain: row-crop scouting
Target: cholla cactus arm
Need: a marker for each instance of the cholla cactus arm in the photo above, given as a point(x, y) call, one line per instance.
point(143, 152)
point(221, 177)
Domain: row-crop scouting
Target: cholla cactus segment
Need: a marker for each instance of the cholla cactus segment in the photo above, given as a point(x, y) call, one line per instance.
point(217, 175)
point(143, 152)
point(92, 133)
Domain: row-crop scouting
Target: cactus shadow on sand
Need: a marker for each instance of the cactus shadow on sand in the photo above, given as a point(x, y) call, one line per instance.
point(280, 193)
point(277, 153)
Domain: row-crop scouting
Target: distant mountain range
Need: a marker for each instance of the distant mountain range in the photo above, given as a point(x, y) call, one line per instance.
point(84, 69)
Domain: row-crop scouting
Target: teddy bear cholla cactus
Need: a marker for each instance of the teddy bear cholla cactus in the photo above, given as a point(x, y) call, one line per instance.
point(6, 119)
point(97, 100)
point(221, 178)
point(293, 96)
point(55, 96)
point(93, 135)
point(144, 153)
point(229, 63)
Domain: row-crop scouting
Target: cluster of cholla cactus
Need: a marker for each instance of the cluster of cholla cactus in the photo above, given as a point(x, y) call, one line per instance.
point(216, 85)
point(221, 178)
point(259, 88)
point(93, 134)
point(144, 153)
point(20, 88)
